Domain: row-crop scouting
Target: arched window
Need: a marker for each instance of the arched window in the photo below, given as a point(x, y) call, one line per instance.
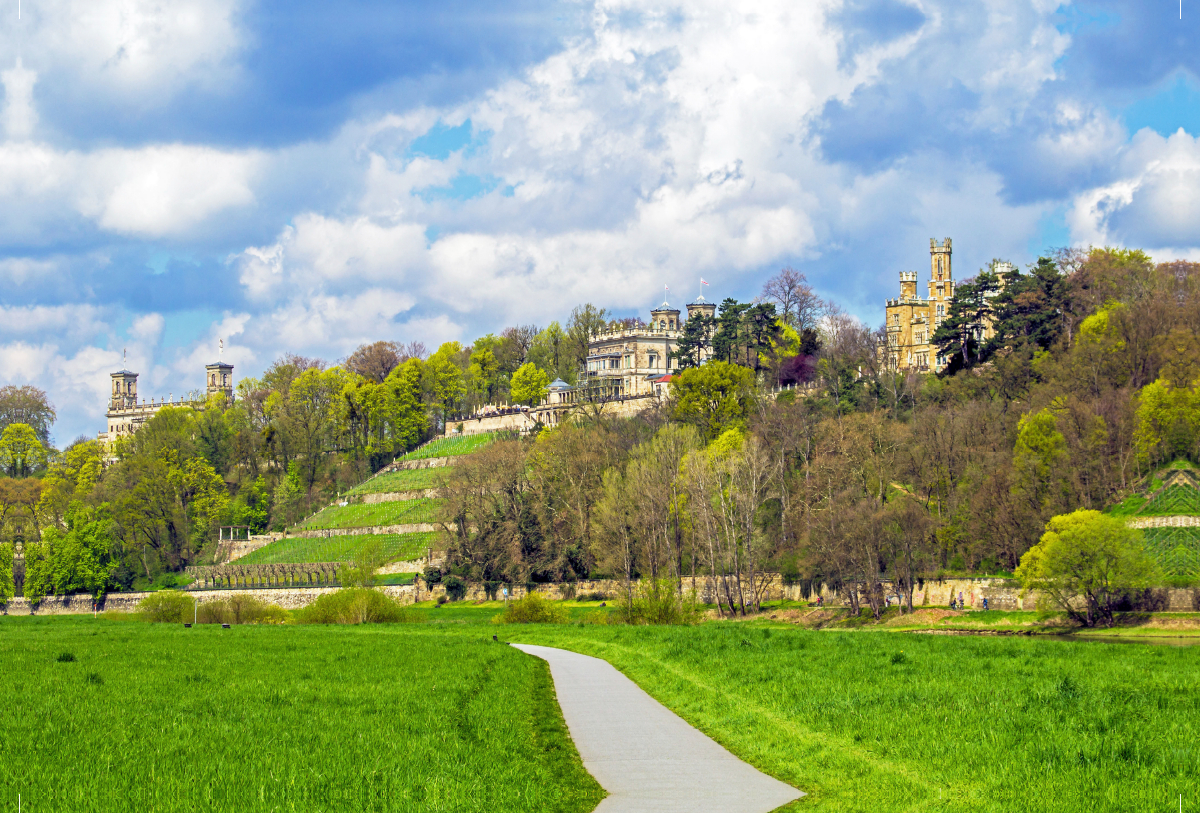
point(662, 324)
point(941, 310)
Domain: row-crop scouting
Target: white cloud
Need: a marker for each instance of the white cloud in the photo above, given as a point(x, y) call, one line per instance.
point(1155, 201)
point(140, 49)
point(19, 113)
point(163, 189)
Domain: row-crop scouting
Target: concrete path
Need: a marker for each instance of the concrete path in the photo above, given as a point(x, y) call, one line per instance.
point(647, 758)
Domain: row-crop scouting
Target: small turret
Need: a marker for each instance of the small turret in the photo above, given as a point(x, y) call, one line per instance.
point(664, 317)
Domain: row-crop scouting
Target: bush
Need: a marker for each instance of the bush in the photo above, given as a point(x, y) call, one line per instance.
point(240, 608)
point(659, 603)
point(456, 588)
point(596, 596)
point(532, 609)
point(167, 607)
point(432, 576)
point(355, 605)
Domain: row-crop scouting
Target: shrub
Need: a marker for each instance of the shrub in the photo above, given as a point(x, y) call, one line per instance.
point(532, 609)
point(456, 588)
point(432, 576)
point(354, 605)
point(168, 607)
point(659, 602)
point(596, 596)
point(240, 608)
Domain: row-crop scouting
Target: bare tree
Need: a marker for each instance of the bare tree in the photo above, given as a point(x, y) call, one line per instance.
point(515, 345)
point(798, 305)
point(414, 350)
point(374, 361)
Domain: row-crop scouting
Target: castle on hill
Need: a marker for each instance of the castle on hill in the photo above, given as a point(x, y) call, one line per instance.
point(913, 319)
point(126, 414)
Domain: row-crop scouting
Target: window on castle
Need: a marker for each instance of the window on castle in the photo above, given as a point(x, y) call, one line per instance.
point(941, 310)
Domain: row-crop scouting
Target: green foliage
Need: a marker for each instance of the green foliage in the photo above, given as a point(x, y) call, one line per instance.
point(1168, 421)
point(714, 397)
point(396, 547)
point(959, 338)
point(532, 608)
point(1029, 310)
point(530, 384)
point(659, 602)
point(1085, 562)
point(355, 605)
point(1039, 453)
point(1175, 500)
point(21, 452)
point(7, 589)
point(289, 503)
point(77, 560)
point(168, 607)
point(456, 588)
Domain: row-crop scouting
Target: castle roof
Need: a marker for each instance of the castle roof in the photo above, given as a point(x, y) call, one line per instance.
point(124, 372)
point(558, 384)
point(665, 306)
point(222, 364)
point(700, 300)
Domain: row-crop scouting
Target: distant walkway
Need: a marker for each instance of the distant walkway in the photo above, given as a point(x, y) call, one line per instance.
point(647, 758)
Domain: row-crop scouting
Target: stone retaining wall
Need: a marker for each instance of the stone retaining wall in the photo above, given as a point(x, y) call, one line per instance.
point(1001, 594)
point(395, 496)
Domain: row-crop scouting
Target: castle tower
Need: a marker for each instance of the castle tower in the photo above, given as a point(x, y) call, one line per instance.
point(939, 259)
point(124, 390)
point(701, 307)
point(941, 281)
point(218, 377)
point(664, 318)
point(908, 284)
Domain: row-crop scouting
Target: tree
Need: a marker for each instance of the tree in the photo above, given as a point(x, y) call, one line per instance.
point(21, 452)
point(713, 398)
point(549, 351)
point(799, 307)
point(79, 560)
point(7, 589)
point(959, 338)
point(530, 385)
point(586, 322)
point(375, 361)
point(1030, 309)
point(28, 405)
point(1084, 563)
point(515, 345)
point(695, 345)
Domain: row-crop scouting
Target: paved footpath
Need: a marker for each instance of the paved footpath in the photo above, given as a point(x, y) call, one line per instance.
point(646, 757)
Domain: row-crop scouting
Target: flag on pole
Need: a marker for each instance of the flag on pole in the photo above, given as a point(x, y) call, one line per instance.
point(702, 281)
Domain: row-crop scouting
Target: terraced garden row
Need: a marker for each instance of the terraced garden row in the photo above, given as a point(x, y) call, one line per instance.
point(406, 480)
point(396, 547)
point(362, 515)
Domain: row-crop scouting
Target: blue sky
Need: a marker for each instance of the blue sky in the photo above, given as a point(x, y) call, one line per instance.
point(305, 177)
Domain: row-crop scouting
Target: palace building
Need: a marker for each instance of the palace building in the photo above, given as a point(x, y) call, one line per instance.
point(913, 319)
point(126, 414)
point(634, 361)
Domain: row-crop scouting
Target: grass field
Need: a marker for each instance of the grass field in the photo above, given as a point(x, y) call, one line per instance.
point(878, 721)
point(405, 480)
point(153, 717)
point(362, 515)
point(396, 547)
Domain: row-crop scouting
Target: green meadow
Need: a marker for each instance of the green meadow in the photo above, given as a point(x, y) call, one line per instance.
point(403, 480)
point(104, 715)
point(435, 716)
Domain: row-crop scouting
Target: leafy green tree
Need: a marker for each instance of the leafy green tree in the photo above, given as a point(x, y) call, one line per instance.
point(1038, 456)
point(21, 453)
point(530, 385)
point(73, 475)
point(7, 589)
point(1085, 562)
point(713, 398)
point(78, 560)
point(442, 380)
point(586, 322)
point(549, 350)
point(28, 405)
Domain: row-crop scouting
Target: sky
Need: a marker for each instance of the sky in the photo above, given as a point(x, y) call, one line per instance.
point(305, 177)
